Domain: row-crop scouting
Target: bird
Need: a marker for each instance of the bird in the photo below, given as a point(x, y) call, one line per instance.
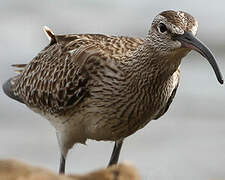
point(105, 87)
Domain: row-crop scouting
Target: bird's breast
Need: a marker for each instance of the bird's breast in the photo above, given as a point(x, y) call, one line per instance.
point(114, 111)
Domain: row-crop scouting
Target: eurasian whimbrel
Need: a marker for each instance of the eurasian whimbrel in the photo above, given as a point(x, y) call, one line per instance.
point(92, 86)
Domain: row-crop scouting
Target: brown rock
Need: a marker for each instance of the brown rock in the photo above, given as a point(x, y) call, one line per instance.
point(16, 170)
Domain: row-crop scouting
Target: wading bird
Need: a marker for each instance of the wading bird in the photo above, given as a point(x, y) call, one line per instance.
point(92, 86)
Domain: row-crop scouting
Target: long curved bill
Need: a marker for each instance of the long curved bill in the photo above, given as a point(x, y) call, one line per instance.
point(189, 41)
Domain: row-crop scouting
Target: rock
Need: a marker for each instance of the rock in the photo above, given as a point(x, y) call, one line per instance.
point(16, 170)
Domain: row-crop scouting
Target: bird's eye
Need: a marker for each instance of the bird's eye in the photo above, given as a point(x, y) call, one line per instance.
point(162, 28)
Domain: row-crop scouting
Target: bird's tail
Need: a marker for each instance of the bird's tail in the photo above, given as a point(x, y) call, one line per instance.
point(20, 67)
point(8, 89)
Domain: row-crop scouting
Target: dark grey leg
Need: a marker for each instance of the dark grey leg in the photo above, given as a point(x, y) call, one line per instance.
point(62, 165)
point(116, 152)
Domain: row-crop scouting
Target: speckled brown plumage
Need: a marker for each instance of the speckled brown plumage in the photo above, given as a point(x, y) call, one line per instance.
point(92, 86)
point(55, 79)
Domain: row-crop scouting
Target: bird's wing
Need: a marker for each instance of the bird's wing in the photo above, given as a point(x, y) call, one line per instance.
point(170, 100)
point(56, 78)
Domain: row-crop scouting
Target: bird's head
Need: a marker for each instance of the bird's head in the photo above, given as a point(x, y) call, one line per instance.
point(173, 34)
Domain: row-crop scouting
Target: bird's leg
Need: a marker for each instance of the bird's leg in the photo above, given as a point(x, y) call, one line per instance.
point(116, 152)
point(63, 150)
point(62, 164)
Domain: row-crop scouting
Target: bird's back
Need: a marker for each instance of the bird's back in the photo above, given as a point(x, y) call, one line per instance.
point(55, 79)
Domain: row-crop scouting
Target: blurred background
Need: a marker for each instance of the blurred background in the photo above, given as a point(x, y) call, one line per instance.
point(186, 143)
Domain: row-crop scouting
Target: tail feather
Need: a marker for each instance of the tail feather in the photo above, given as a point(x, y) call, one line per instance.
point(19, 71)
point(8, 90)
point(19, 65)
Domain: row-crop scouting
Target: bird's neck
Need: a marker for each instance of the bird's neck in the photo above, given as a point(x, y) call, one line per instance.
point(149, 64)
point(148, 83)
